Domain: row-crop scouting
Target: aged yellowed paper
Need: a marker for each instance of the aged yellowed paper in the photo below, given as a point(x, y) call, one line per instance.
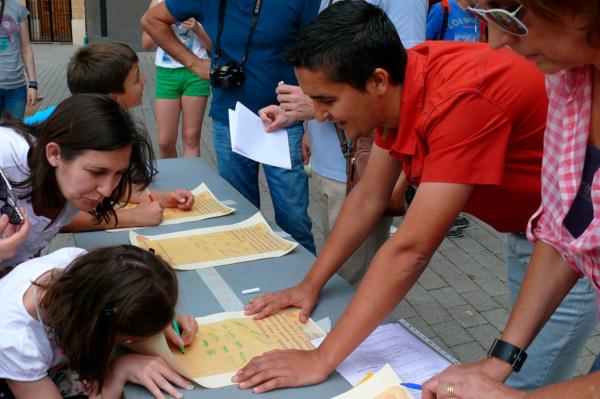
point(385, 384)
point(249, 240)
point(227, 341)
point(206, 206)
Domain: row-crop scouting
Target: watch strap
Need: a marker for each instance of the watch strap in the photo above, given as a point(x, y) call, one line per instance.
point(508, 353)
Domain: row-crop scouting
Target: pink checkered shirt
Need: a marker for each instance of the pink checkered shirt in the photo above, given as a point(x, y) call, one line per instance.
point(565, 143)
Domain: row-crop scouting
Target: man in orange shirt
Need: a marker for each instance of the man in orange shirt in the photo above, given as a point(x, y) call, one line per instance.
point(460, 120)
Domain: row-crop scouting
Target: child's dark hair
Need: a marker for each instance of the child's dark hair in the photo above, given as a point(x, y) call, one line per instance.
point(121, 290)
point(347, 42)
point(80, 123)
point(100, 68)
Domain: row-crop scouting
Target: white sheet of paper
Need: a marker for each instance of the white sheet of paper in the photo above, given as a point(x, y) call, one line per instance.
point(248, 138)
point(233, 128)
point(411, 358)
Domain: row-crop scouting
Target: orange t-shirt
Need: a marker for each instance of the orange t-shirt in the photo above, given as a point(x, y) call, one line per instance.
point(473, 115)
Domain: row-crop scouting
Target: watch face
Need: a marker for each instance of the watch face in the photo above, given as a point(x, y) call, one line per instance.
point(509, 353)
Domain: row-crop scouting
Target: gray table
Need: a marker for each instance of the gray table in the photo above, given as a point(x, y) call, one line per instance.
point(270, 275)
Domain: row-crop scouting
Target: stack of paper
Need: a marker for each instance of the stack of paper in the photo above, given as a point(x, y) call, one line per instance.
point(248, 138)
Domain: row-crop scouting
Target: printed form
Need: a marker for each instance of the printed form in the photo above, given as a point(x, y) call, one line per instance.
point(249, 240)
point(412, 359)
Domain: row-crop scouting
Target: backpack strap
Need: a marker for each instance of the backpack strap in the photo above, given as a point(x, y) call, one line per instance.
point(445, 15)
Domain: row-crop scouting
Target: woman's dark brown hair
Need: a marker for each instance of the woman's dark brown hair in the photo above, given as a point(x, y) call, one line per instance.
point(80, 123)
point(122, 290)
point(554, 10)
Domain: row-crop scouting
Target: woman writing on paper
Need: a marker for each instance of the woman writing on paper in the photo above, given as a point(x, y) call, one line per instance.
point(87, 156)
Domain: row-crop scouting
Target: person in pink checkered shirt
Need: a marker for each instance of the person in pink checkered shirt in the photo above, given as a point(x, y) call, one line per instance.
point(563, 39)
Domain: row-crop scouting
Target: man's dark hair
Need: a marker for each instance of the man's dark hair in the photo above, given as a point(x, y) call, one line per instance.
point(347, 42)
point(100, 68)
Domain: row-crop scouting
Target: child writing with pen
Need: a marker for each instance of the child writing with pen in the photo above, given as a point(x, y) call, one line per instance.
point(75, 308)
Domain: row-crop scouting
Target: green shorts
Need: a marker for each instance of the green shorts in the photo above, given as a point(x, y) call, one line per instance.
point(177, 82)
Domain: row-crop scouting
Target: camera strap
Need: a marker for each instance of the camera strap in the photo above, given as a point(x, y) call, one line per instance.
point(255, 14)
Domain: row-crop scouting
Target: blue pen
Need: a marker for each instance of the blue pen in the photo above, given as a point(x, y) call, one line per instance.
point(411, 386)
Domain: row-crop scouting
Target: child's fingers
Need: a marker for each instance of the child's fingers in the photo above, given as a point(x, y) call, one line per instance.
point(166, 386)
point(173, 337)
point(172, 377)
point(186, 199)
point(189, 328)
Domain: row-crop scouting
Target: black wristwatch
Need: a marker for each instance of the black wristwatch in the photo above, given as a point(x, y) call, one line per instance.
point(509, 353)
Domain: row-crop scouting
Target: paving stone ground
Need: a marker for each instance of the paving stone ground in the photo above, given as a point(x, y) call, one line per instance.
point(460, 302)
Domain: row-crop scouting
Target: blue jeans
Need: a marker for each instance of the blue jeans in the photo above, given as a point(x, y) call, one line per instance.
point(553, 354)
point(595, 365)
point(13, 101)
point(288, 188)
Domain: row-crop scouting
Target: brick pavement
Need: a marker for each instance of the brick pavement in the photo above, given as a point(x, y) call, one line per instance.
point(460, 302)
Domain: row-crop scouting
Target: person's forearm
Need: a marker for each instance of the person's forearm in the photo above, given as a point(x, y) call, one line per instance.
point(163, 36)
point(27, 54)
point(86, 222)
point(147, 43)
point(359, 215)
point(29, 64)
point(112, 388)
point(546, 283)
point(587, 387)
point(203, 37)
point(394, 270)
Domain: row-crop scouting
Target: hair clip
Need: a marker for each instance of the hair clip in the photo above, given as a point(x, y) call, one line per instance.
point(109, 311)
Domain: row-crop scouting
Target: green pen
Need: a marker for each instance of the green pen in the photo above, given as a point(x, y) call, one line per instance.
point(178, 331)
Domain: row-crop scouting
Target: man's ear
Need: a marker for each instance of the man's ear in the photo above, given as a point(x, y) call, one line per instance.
point(379, 82)
point(53, 153)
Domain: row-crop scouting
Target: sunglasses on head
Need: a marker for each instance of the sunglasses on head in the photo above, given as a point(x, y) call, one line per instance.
point(504, 20)
point(8, 201)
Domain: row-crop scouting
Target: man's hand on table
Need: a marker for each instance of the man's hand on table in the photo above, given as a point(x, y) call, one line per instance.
point(301, 296)
point(283, 368)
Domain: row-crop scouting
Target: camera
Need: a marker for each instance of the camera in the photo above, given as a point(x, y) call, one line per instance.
point(228, 76)
point(8, 201)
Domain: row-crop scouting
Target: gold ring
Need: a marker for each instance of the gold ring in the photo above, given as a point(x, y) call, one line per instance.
point(450, 390)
